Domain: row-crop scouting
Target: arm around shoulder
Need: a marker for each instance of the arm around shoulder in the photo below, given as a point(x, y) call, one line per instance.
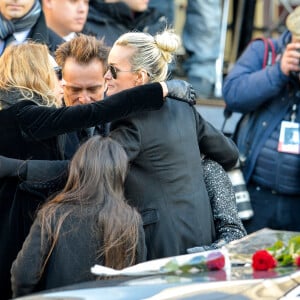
point(39, 122)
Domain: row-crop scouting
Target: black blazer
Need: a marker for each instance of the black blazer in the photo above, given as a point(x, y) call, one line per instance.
point(165, 180)
point(42, 34)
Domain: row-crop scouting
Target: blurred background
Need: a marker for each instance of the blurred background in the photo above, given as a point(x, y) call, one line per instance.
point(242, 21)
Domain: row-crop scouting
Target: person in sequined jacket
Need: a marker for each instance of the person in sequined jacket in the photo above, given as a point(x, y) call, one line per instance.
point(229, 226)
point(267, 97)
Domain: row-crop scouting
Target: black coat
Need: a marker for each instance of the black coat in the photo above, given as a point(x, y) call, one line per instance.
point(110, 20)
point(42, 34)
point(29, 131)
point(76, 251)
point(165, 180)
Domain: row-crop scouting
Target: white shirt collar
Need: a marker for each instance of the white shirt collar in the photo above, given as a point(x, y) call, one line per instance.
point(21, 36)
point(69, 37)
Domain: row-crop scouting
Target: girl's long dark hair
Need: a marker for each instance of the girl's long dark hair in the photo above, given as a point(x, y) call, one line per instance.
point(96, 178)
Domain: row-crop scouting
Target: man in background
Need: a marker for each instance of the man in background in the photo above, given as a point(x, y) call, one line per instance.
point(269, 99)
point(66, 17)
point(20, 21)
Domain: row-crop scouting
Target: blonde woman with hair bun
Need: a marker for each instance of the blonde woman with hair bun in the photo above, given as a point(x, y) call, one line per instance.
point(152, 53)
point(165, 181)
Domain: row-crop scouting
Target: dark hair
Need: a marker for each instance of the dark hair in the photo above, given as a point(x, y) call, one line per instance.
point(96, 178)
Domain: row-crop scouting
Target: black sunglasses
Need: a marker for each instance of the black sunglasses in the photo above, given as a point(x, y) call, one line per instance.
point(114, 71)
point(58, 72)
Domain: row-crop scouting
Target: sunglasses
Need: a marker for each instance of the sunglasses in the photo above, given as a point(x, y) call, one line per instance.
point(58, 72)
point(114, 71)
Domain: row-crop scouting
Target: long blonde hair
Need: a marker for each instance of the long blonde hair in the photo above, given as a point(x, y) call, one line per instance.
point(27, 67)
point(152, 53)
point(96, 179)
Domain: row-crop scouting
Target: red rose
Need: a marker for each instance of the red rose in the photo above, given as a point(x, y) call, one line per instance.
point(215, 261)
point(297, 261)
point(262, 260)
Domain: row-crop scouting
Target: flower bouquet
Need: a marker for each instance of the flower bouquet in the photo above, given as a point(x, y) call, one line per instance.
point(241, 251)
point(279, 254)
point(212, 260)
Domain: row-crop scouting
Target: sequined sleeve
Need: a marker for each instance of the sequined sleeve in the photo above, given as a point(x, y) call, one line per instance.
point(228, 225)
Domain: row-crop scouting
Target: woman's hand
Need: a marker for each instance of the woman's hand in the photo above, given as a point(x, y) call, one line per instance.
point(180, 90)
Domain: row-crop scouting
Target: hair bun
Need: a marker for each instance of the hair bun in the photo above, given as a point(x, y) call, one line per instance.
point(168, 42)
